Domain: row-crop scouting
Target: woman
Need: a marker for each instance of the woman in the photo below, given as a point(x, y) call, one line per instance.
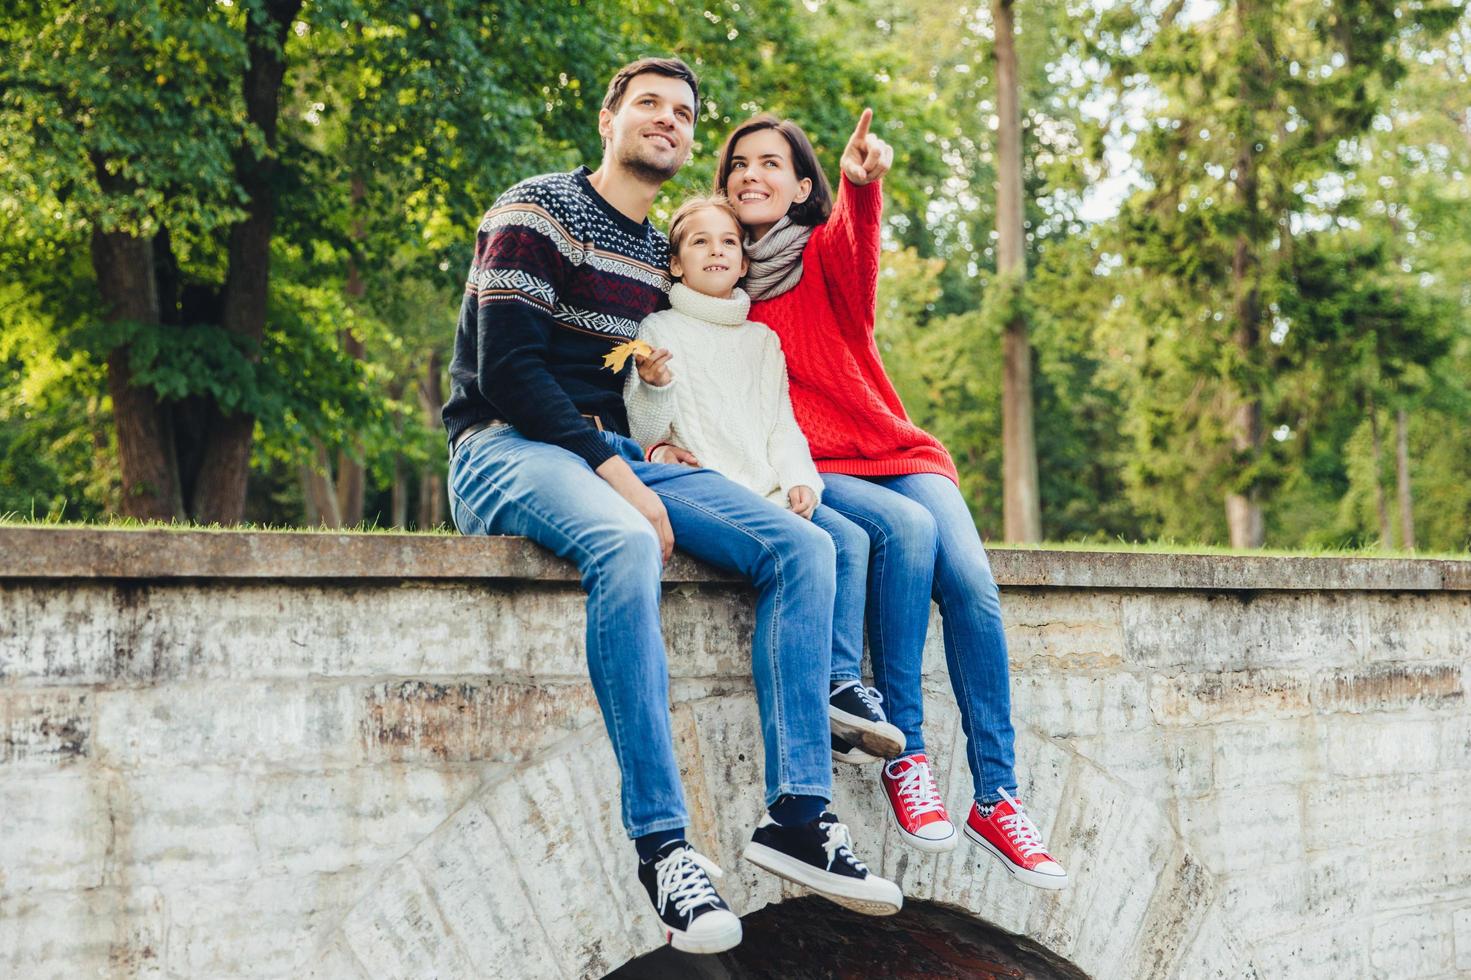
point(813, 277)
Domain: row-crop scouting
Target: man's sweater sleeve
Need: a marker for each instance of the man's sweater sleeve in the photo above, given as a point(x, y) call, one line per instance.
point(517, 271)
point(786, 446)
point(650, 408)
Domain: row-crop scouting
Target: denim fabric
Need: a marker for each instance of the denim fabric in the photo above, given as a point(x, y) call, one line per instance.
point(924, 543)
point(503, 483)
point(851, 542)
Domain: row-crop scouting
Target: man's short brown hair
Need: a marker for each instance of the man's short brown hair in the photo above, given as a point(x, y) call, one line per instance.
point(668, 67)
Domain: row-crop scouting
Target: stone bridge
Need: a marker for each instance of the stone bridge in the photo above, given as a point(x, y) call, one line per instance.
point(322, 755)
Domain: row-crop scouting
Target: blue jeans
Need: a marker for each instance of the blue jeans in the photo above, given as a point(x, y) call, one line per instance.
point(503, 483)
point(923, 543)
point(851, 543)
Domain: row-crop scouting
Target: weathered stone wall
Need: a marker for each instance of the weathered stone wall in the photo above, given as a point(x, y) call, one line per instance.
point(288, 755)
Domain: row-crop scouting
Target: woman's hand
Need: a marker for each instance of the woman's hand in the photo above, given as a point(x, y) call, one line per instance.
point(803, 500)
point(670, 453)
point(866, 157)
point(654, 367)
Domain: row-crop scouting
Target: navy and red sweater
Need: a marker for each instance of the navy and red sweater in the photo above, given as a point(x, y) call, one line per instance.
point(560, 277)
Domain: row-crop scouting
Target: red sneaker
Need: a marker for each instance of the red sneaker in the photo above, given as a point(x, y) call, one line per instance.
point(915, 802)
point(1010, 834)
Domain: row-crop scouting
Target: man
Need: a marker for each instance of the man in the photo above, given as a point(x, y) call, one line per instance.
point(565, 267)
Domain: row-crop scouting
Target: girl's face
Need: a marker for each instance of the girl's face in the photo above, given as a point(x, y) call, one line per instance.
point(763, 183)
point(710, 259)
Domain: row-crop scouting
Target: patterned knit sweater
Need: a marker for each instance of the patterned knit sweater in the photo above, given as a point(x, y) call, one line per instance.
point(559, 278)
point(728, 403)
point(842, 396)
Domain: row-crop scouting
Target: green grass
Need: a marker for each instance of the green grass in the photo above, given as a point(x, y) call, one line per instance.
point(1166, 547)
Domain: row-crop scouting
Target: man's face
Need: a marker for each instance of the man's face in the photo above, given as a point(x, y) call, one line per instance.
point(652, 130)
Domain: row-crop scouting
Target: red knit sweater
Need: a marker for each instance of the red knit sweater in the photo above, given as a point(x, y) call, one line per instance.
point(841, 395)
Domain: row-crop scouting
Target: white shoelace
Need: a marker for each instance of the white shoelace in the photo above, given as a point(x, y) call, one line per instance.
point(918, 790)
point(681, 876)
point(1020, 829)
point(839, 840)
point(870, 696)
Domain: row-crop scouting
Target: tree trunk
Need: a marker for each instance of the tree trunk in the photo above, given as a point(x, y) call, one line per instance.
point(1244, 518)
point(220, 493)
point(1402, 480)
point(1021, 502)
point(1381, 506)
point(351, 478)
point(318, 493)
point(145, 441)
point(431, 484)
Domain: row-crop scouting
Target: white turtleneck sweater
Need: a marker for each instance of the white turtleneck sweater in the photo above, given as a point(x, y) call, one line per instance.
point(728, 403)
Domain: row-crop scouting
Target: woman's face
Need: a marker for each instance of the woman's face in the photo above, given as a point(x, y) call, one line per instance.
point(763, 183)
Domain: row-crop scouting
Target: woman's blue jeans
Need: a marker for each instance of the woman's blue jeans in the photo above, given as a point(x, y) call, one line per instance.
point(503, 483)
point(922, 543)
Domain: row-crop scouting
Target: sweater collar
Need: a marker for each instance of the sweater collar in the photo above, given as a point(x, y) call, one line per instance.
point(731, 312)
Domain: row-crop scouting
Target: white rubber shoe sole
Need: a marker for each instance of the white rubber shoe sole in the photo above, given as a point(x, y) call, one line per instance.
point(871, 896)
point(924, 843)
point(880, 738)
point(1025, 875)
point(720, 933)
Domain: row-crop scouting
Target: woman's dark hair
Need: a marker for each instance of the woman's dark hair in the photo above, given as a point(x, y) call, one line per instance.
point(819, 203)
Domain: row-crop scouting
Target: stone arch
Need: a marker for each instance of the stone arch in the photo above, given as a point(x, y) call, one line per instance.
point(534, 877)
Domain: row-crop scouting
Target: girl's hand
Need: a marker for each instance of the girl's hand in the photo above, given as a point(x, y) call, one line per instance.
point(803, 501)
point(670, 453)
point(866, 157)
point(654, 368)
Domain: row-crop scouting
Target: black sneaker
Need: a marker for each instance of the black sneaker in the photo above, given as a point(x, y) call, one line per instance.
point(846, 751)
point(819, 856)
point(695, 918)
point(854, 713)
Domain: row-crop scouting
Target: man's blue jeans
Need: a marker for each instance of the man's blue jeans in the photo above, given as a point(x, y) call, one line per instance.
point(923, 542)
point(503, 483)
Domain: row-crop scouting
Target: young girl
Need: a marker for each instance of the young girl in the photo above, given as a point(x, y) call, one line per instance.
point(813, 277)
point(730, 408)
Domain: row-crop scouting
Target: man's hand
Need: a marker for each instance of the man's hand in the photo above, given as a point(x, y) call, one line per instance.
point(670, 453)
point(803, 500)
point(866, 158)
point(620, 477)
point(654, 367)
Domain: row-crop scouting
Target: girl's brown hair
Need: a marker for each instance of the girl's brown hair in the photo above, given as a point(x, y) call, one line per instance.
point(677, 224)
point(819, 203)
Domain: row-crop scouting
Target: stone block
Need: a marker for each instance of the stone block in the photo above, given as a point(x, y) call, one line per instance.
point(99, 932)
point(63, 636)
point(1184, 892)
point(1322, 948)
point(184, 825)
point(1344, 812)
point(1201, 699)
point(56, 830)
point(1462, 924)
point(1241, 631)
point(1433, 870)
point(1281, 896)
point(1060, 630)
point(1068, 704)
point(261, 724)
point(1158, 762)
point(1267, 754)
point(45, 729)
point(1363, 746)
point(1215, 952)
point(1414, 944)
point(1390, 686)
point(399, 931)
point(466, 720)
point(1406, 626)
point(1243, 830)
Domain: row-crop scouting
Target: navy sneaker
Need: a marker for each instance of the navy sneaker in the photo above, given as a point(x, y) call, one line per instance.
point(854, 713)
point(819, 855)
point(694, 916)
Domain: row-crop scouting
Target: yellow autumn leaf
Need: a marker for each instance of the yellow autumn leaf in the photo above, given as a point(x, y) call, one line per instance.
point(618, 356)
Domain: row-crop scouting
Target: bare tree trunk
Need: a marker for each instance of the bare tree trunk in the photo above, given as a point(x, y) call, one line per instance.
point(1244, 518)
point(431, 485)
point(145, 439)
point(1381, 506)
point(318, 493)
point(351, 478)
point(1021, 502)
point(219, 495)
point(1402, 480)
